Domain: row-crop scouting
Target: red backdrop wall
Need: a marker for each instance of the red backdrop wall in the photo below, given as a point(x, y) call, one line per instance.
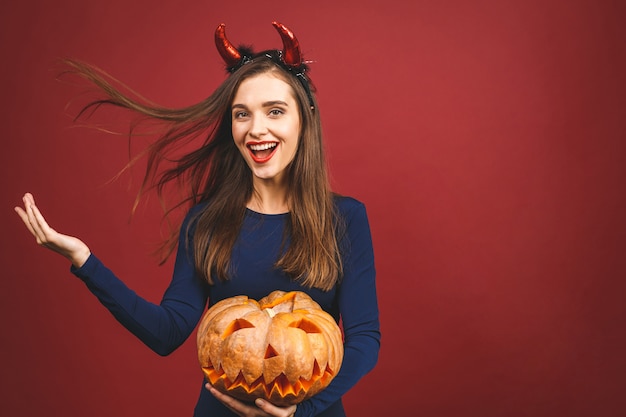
point(487, 139)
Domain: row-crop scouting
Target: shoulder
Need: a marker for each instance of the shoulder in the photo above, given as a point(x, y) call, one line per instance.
point(196, 210)
point(353, 230)
point(189, 221)
point(351, 212)
point(348, 206)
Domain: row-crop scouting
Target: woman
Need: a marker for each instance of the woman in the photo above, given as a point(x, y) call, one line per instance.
point(262, 218)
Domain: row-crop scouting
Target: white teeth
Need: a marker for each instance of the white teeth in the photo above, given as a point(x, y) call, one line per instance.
point(262, 146)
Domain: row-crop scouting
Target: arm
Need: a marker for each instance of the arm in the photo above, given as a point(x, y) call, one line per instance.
point(359, 313)
point(162, 327)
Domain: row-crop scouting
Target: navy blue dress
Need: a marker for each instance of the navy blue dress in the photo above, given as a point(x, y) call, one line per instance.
point(164, 327)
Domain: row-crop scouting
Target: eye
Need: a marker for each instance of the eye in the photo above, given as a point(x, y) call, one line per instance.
point(240, 114)
point(276, 112)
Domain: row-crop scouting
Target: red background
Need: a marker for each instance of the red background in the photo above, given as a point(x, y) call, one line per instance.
point(487, 139)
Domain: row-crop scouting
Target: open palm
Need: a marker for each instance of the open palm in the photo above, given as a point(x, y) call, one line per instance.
point(70, 247)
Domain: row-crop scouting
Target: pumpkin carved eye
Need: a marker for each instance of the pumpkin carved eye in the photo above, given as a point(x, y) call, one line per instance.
point(307, 325)
point(284, 348)
point(236, 325)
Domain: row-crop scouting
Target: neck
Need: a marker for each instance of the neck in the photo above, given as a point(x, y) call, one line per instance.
point(269, 198)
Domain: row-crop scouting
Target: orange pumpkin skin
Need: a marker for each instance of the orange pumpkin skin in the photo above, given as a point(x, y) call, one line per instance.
point(283, 348)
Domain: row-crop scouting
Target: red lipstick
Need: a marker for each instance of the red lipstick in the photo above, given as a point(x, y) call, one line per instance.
point(261, 152)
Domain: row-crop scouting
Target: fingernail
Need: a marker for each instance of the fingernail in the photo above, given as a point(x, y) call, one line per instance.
point(259, 402)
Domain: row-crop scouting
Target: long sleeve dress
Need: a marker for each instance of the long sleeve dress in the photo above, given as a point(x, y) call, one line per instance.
point(165, 326)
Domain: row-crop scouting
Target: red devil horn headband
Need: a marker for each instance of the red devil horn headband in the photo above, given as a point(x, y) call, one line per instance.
point(291, 46)
point(289, 58)
point(233, 58)
point(227, 50)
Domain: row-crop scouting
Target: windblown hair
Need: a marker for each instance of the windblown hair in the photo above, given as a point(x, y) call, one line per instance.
point(215, 172)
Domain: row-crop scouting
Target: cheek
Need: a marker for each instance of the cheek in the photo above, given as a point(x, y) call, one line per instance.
point(293, 133)
point(238, 135)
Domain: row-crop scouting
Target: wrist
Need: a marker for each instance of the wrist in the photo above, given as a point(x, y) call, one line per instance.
point(79, 258)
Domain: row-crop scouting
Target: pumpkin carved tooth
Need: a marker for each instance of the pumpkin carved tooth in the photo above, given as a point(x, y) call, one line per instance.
point(283, 348)
point(278, 387)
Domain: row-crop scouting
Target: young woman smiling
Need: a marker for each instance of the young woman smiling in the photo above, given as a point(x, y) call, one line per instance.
point(261, 217)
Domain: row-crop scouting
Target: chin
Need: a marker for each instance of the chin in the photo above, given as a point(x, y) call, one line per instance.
point(266, 175)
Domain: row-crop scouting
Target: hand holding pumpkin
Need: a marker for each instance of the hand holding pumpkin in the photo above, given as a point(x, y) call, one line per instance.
point(262, 408)
point(72, 248)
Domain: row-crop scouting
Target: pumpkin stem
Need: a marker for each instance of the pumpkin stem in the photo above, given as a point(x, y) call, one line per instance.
point(283, 304)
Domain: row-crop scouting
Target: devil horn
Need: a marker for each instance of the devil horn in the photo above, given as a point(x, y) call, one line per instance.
point(229, 53)
point(291, 46)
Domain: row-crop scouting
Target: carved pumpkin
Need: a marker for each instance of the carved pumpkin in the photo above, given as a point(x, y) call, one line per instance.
point(283, 348)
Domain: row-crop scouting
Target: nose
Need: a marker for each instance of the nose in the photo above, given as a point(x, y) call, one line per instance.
point(258, 127)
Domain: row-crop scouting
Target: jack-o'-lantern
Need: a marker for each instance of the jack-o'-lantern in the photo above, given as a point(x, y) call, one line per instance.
point(283, 348)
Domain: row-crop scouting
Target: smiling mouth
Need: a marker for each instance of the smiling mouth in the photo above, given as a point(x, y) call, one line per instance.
point(262, 152)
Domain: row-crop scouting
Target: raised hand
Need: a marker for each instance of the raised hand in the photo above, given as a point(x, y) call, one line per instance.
point(70, 247)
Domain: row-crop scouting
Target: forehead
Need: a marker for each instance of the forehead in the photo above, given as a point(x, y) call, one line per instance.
point(262, 88)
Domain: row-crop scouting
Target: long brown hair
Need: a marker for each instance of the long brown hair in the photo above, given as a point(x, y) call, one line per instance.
point(215, 172)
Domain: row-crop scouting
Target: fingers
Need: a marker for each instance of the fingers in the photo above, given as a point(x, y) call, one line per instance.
point(70, 247)
point(273, 410)
point(24, 216)
point(34, 220)
point(263, 408)
point(38, 222)
point(25, 213)
point(232, 404)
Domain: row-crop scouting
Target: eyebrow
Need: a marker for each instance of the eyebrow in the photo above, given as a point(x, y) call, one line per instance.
point(265, 104)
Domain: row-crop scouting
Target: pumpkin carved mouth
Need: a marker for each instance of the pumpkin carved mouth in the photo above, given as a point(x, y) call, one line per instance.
point(280, 390)
point(283, 348)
